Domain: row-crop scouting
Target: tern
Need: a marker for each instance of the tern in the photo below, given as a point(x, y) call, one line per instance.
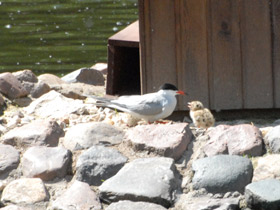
point(149, 107)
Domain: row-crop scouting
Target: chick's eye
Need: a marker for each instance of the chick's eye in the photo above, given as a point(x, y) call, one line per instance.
point(197, 105)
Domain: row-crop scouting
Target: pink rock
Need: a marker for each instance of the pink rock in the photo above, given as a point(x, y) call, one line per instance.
point(167, 140)
point(235, 140)
point(11, 87)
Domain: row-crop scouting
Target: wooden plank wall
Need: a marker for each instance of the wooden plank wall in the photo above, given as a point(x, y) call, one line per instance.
point(225, 53)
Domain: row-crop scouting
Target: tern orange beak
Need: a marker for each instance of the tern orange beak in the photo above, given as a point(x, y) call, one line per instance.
point(180, 92)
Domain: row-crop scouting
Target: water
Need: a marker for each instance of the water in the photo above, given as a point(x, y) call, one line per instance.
point(59, 36)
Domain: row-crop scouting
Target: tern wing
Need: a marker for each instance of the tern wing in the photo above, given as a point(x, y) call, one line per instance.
point(139, 105)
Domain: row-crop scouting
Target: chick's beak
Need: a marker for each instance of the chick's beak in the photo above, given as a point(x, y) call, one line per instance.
point(189, 105)
point(180, 92)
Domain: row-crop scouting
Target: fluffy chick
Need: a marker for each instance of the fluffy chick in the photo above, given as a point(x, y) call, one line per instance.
point(201, 117)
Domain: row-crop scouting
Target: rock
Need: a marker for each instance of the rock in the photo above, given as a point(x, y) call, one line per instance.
point(85, 75)
point(272, 139)
point(26, 75)
point(14, 207)
point(199, 202)
point(39, 89)
point(11, 87)
point(2, 101)
point(267, 167)
point(85, 135)
point(25, 190)
point(54, 105)
point(242, 139)
point(129, 205)
point(146, 179)
point(9, 160)
point(222, 173)
point(38, 132)
point(70, 91)
point(166, 140)
point(263, 195)
point(78, 196)
point(46, 163)
point(50, 79)
point(98, 164)
point(102, 67)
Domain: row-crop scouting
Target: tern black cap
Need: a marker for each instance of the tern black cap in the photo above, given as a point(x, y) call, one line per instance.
point(168, 86)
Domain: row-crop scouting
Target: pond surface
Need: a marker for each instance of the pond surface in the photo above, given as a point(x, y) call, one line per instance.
point(59, 36)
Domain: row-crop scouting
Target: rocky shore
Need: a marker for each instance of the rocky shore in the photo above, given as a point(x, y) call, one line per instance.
point(59, 151)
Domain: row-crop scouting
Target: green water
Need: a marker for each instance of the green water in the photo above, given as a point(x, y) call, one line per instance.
point(59, 36)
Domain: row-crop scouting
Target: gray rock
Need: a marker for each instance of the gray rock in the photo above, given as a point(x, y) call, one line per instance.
point(206, 202)
point(85, 135)
point(25, 190)
point(38, 132)
point(130, 205)
point(70, 90)
point(46, 163)
point(50, 79)
point(26, 75)
point(85, 75)
point(54, 105)
point(147, 179)
point(102, 67)
point(267, 167)
point(11, 87)
point(39, 89)
point(78, 196)
point(2, 101)
point(98, 164)
point(242, 139)
point(9, 159)
point(222, 173)
point(166, 140)
point(272, 139)
point(263, 195)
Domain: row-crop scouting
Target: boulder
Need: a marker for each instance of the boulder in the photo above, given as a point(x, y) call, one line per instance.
point(38, 132)
point(50, 79)
point(11, 87)
point(39, 89)
point(263, 195)
point(9, 159)
point(25, 190)
point(98, 164)
point(78, 196)
point(272, 139)
point(130, 205)
point(191, 201)
point(147, 179)
point(54, 105)
point(85, 75)
point(222, 173)
point(102, 67)
point(166, 140)
point(267, 167)
point(46, 163)
point(85, 135)
point(26, 75)
point(242, 139)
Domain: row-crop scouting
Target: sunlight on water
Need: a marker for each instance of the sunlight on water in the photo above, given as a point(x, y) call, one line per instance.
point(59, 36)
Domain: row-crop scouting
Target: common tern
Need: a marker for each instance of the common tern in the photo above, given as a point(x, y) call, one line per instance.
point(201, 117)
point(149, 107)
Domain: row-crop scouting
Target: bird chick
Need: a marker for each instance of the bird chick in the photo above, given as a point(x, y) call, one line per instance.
point(201, 117)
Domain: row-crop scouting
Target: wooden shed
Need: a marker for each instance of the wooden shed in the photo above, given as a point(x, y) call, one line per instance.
point(225, 53)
